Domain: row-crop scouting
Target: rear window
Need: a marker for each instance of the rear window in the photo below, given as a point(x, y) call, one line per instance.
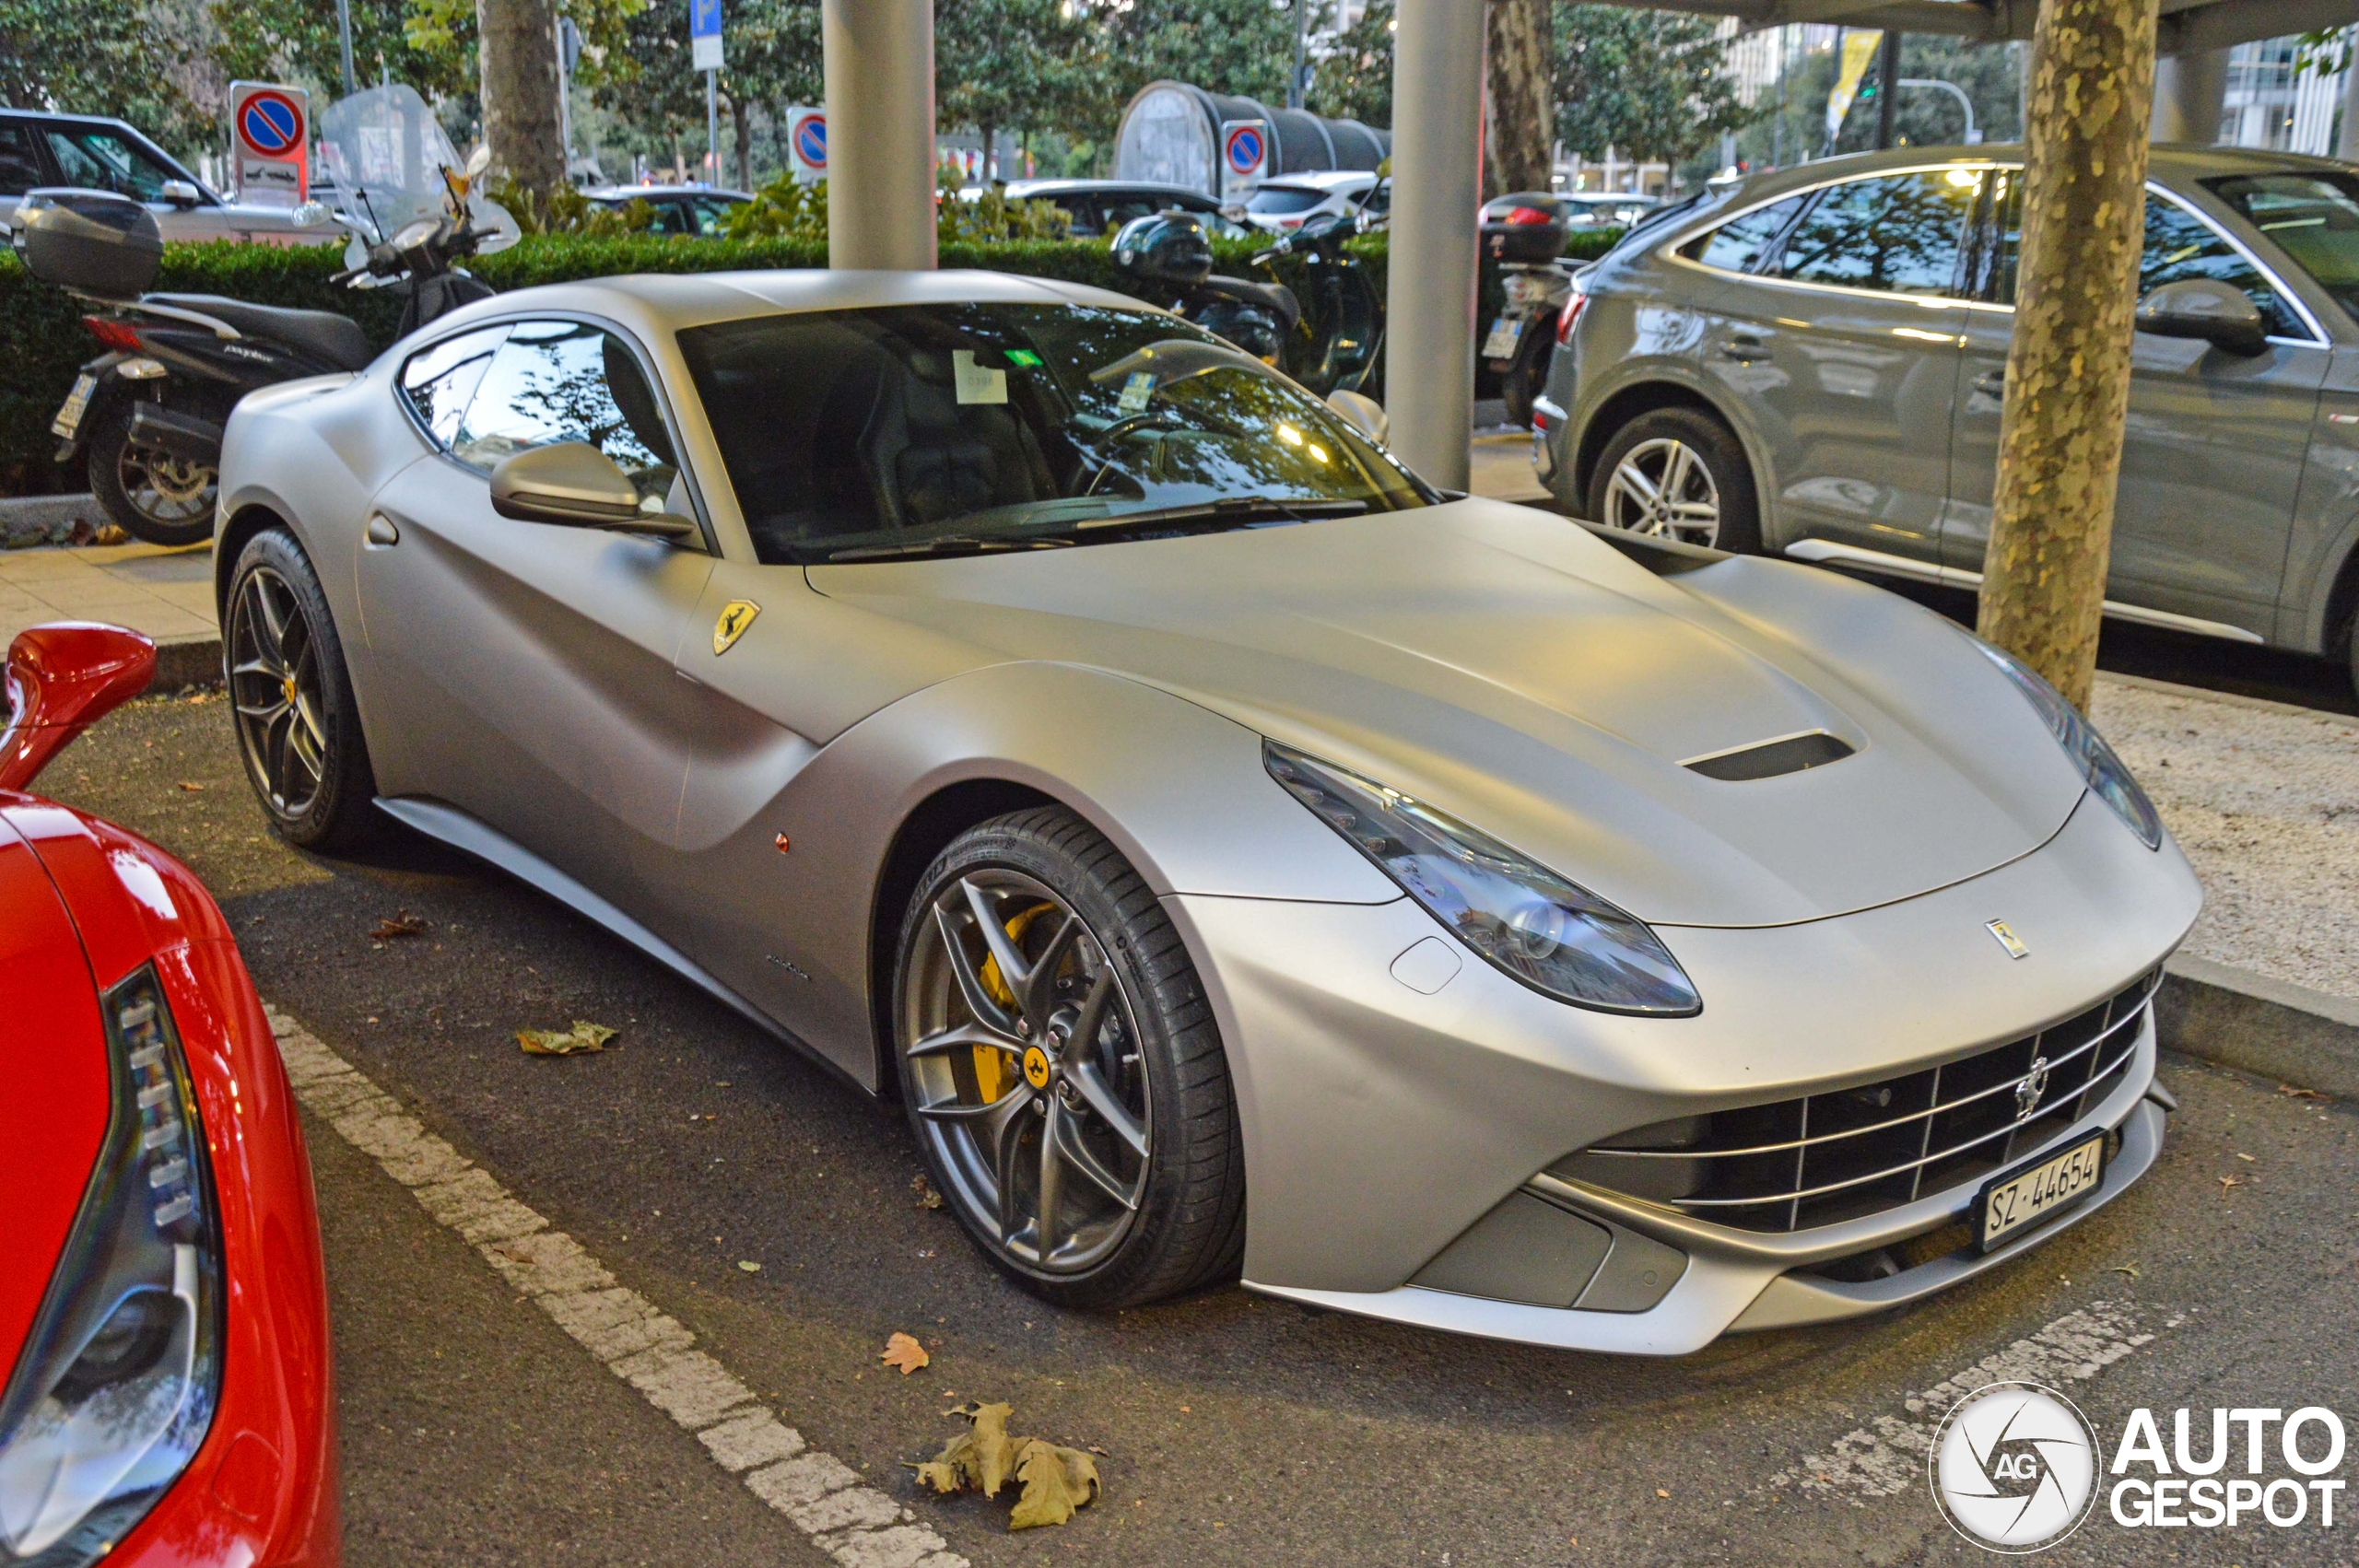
point(1280, 199)
point(1740, 244)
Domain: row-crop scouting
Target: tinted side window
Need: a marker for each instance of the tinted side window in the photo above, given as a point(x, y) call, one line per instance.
point(440, 381)
point(554, 382)
point(20, 168)
point(1898, 233)
point(101, 160)
point(2181, 245)
point(1739, 244)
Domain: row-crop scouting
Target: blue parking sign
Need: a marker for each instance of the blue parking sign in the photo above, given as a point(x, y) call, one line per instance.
point(704, 34)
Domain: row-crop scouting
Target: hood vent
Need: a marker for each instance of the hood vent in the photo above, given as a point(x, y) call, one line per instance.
point(1770, 759)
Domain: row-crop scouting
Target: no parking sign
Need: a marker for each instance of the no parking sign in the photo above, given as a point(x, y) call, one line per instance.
point(270, 139)
point(806, 141)
point(1244, 155)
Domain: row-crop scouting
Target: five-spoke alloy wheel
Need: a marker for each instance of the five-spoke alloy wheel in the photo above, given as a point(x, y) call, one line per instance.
point(1059, 1065)
point(299, 729)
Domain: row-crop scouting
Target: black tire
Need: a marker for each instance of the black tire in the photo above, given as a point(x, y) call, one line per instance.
point(147, 495)
point(1526, 374)
point(1187, 1228)
point(306, 758)
point(1718, 455)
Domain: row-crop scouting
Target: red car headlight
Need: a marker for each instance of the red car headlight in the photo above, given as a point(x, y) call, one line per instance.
point(118, 1381)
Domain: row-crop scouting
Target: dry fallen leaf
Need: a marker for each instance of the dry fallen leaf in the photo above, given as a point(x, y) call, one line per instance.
point(191, 788)
point(1661, 1492)
point(1056, 1480)
point(926, 1196)
point(583, 1036)
point(748, 1265)
point(2129, 1268)
point(2248, 1159)
point(400, 923)
point(2299, 1094)
point(2227, 1182)
point(904, 1353)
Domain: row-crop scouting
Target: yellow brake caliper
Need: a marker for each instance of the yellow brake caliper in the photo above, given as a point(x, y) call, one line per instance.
point(989, 1064)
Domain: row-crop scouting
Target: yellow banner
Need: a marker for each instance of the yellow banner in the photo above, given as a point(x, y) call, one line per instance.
point(1858, 49)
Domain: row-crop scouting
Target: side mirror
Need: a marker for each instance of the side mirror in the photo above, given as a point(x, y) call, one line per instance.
point(2205, 307)
point(62, 679)
point(575, 485)
point(1363, 414)
point(179, 193)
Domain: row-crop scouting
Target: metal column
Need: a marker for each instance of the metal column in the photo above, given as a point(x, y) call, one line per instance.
point(1887, 86)
point(2189, 92)
point(1437, 188)
point(880, 133)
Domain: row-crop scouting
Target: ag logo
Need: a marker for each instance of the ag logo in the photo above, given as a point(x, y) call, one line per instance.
point(735, 616)
point(2014, 1466)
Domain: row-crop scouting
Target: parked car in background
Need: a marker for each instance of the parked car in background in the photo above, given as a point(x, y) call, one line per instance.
point(1605, 209)
point(162, 1301)
point(1281, 206)
point(88, 153)
point(697, 211)
point(1813, 365)
point(1102, 206)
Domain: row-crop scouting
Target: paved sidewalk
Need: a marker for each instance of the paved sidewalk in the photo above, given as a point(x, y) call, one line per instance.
point(166, 593)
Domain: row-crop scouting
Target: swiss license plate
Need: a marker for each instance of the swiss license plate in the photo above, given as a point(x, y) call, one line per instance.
point(2020, 1199)
point(69, 416)
point(1505, 333)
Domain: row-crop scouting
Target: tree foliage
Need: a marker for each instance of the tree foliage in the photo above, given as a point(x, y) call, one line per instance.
point(1013, 64)
point(1648, 84)
point(87, 57)
point(1354, 80)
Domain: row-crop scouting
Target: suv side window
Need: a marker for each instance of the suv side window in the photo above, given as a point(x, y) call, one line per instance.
point(2178, 245)
point(103, 161)
point(437, 382)
point(20, 168)
point(1740, 244)
point(1894, 233)
point(554, 382)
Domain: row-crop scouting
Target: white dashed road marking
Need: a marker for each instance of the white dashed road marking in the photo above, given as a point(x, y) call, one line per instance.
point(821, 1496)
point(1890, 1458)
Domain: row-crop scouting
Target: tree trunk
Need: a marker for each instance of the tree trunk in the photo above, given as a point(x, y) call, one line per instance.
point(742, 122)
point(1521, 127)
point(517, 44)
point(2067, 365)
point(990, 136)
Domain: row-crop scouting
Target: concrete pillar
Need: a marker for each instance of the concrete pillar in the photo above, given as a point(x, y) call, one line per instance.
point(2189, 92)
point(1437, 189)
point(880, 133)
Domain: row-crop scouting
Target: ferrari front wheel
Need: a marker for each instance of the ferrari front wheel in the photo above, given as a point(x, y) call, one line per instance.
point(298, 728)
point(1062, 1068)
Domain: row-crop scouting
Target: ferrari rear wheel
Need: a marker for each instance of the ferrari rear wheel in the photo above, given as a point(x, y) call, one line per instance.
point(298, 728)
point(1062, 1070)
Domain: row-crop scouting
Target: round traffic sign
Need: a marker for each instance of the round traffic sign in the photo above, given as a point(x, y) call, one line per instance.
point(1245, 149)
point(271, 123)
point(811, 140)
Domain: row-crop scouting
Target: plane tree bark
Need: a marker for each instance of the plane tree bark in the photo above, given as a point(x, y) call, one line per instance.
point(516, 42)
point(2067, 364)
point(1520, 130)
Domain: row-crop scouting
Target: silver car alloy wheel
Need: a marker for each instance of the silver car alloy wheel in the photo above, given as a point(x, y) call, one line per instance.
point(1023, 1058)
point(1663, 487)
point(274, 685)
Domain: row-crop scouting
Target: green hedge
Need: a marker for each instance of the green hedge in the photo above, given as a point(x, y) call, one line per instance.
point(45, 340)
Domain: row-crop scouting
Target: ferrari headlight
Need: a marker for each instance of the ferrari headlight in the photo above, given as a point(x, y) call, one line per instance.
point(119, 1378)
point(1558, 938)
point(2106, 773)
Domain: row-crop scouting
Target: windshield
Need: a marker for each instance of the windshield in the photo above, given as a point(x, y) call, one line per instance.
point(914, 428)
point(1283, 199)
point(2314, 218)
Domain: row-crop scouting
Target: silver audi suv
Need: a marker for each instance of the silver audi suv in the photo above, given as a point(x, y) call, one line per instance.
point(1812, 363)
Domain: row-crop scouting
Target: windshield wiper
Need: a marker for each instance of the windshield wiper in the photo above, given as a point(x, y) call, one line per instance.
point(937, 545)
point(1230, 509)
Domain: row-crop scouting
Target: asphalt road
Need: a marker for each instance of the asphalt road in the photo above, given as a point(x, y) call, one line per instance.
point(1235, 1429)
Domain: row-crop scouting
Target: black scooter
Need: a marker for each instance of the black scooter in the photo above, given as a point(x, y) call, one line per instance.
point(151, 410)
point(1335, 345)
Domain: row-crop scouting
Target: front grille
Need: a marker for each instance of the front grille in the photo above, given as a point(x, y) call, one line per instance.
point(1848, 1152)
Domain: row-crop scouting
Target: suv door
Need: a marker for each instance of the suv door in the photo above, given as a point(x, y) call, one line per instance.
point(2212, 462)
point(524, 668)
point(106, 158)
point(1841, 344)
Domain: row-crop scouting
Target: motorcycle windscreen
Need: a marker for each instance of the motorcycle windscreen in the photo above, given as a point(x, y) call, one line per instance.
point(387, 152)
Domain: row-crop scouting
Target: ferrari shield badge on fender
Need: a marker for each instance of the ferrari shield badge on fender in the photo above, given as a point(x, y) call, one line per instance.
point(1999, 929)
point(735, 616)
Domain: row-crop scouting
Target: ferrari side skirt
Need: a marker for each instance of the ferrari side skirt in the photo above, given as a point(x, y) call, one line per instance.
point(449, 825)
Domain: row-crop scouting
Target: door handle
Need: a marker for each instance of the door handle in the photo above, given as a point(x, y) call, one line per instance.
point(1992, 383)
point(382, 531)
point(1744, 350)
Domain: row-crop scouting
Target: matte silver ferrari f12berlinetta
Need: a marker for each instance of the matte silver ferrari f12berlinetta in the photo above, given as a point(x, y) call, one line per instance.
point(1239, 857)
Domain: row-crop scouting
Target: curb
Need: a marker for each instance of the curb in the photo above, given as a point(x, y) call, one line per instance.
point(185, 661)
point(29, 521)
point(2270, 1028)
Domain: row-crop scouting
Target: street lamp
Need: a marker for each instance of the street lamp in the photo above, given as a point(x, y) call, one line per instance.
point(1965, 104)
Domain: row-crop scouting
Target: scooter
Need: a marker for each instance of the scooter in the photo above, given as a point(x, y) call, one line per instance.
point(151, 410)
point(1336, 346)
point(1171, 257)
point(1525, 234)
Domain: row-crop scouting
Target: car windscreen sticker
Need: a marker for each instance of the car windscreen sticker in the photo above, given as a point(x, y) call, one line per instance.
point(1025, 357)
point(977, 383)
point(1136, 389)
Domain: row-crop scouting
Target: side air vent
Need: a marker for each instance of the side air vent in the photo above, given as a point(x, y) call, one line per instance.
point(1768, 759)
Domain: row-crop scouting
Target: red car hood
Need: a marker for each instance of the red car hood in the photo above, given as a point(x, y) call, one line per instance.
point(53, 1089)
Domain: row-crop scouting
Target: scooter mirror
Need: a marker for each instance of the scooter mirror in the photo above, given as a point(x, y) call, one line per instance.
point(1363, 414)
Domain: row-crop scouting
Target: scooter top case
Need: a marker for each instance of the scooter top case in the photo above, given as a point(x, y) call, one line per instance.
point(91, 242)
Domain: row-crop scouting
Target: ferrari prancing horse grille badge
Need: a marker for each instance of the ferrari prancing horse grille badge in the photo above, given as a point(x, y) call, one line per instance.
point(735, 616)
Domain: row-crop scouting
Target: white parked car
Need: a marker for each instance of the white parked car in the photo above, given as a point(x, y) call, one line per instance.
point(93, 154)
point(1281, 206)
